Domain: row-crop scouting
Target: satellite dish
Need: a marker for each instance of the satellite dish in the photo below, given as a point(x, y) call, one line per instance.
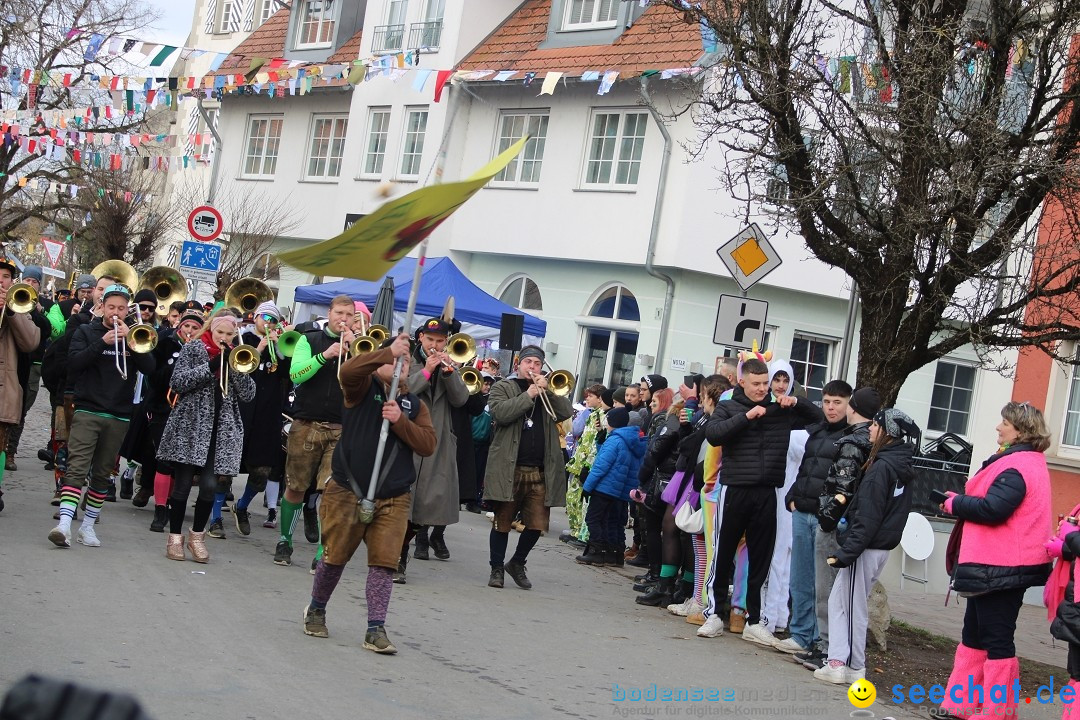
point(918, 537)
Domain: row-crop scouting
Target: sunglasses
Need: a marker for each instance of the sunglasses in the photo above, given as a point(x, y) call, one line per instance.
point(148, 308)
point(270, 319)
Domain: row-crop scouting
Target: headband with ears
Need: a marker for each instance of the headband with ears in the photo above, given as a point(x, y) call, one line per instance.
point(765, 357)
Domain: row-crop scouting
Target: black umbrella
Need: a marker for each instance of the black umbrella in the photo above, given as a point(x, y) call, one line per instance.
point(383, 312)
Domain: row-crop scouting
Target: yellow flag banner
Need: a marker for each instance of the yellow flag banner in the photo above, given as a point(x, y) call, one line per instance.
point(375, 243)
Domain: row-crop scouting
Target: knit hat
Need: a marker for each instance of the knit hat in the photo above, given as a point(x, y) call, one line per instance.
point(529, 351)
point(866, 401)
point(268, 308)
point(619, 395)
point(195, 316)
point(607, 399)
point(655, 382)
point(359, 307)
point(897, 423)
point(618, 417)
point(146, 295)
point(86, 282)
point(635, 419)
point(32, 272)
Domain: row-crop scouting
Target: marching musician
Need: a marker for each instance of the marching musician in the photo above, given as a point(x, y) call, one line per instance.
point(263, 455)
point(17, 335)
point(436, 502)
point(316, 425)
point(144, 312)
point(29, 363)
point(526, 471)
point(102, 397)
point(204, 436)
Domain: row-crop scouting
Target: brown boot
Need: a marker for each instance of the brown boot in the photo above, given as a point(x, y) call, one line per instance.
point(737, 621)
point(174, 547)
point(197, 546)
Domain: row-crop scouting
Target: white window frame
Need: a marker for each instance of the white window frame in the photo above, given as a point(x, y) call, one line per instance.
point(376, 174)
point(335, 146)
point(406, 132)
point(950, 410)
point(520, 302)
point(1073, 380)
point(593, 22)
point(324, 25)
point(536, 124)
point(400, 20)
point(266, 9)
point(830, 343)
point(267, 140)
point(206, 150)
point(225, 10)
point(616, 160)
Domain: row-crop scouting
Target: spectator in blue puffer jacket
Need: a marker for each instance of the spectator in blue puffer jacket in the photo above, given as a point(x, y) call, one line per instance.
point(613, 475)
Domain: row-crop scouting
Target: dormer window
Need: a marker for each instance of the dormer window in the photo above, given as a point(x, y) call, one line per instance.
point(316, 26)
point(590, 14)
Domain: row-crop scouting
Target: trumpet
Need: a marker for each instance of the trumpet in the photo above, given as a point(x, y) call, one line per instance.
point(21, 298)
point(472, 379)
point(142, 338)
point(243, 359)
point(286, 343)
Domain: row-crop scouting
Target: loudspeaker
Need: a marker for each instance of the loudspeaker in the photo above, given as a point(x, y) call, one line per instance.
point(510, 331)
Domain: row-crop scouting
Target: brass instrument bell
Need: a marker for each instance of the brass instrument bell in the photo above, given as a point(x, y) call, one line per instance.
point(378, 333)
point(123, 272)
point(248, 294)
point(142, 338)
point(461, 348)
point(472, 379)
point(169, 286)
point(21, 298)
point(287, 342)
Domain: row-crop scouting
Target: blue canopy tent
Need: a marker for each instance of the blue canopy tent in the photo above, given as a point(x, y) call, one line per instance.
point(441, 278)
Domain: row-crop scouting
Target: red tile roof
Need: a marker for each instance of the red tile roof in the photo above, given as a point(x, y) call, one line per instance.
point(348, 52)
point(660, 39)
point(266, 42)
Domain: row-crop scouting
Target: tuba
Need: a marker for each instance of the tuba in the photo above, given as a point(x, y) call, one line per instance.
point(168, 285)
point(247, 294)
point(125, 274)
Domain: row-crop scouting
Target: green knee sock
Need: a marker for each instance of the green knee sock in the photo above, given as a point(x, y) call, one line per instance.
point(3, 461)
point(319, 552)
point(290, 514)
point(668, 571)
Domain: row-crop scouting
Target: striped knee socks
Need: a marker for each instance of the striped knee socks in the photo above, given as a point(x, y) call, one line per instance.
point(94, 501)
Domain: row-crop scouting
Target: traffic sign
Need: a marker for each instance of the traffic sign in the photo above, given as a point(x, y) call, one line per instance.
point(740, 322)
point(205, 223)
point(200, 261)
point(54, 250)
point(749, 256)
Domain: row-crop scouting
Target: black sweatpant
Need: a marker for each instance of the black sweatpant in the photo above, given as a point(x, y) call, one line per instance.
point(749, 510)
point(990, 623)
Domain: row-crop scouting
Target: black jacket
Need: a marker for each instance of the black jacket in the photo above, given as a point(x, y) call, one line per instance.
point(821, 452)
point(1066, 626)
point(755, 451)
point(662, 453)
point(851, 452)
point(880, 507)
point(92, 372)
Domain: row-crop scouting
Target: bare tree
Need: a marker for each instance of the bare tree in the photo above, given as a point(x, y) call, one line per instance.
point(51, 39)
point(915, 144)
point(254, 222)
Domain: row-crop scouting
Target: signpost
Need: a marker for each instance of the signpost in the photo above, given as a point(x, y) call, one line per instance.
point(740, 322)
point(205, 223)
point(200, 261)
point(749, 256)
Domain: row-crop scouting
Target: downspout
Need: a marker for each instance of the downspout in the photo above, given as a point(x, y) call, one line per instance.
point(654, 232)
point(212, 192)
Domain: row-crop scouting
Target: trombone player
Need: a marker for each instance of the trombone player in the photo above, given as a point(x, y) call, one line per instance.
point(103, 398)
point(18, 334)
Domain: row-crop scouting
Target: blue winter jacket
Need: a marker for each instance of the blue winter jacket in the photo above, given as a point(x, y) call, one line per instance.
point(615, 470)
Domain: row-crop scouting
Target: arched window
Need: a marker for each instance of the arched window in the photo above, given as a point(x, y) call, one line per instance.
point(611, 338)
point(522, 293)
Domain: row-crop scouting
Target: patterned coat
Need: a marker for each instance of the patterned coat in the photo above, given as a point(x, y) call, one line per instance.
point(190, 424)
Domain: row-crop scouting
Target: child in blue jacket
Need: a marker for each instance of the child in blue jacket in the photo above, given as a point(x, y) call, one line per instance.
point(612, 476)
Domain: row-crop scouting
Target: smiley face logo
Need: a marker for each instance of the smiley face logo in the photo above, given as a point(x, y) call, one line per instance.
point(862, 693)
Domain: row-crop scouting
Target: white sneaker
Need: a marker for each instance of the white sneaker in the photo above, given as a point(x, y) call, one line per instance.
point(687, 608)
point(837, 674)
point(759, 635)
point(790, 645)
point(60, 536)
point(713, 627)
point(86, 536)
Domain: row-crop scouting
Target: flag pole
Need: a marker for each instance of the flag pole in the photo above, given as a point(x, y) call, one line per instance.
point(367, 505)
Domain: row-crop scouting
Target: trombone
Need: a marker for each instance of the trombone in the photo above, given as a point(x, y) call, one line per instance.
point(243, 359)
point(144, 338)
point(560, 384)
point(474, 382)
point(20, 299)
point(120, 350)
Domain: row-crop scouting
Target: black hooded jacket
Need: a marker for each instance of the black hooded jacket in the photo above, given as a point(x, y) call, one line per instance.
point(820, 454)
point(92, 372)
point(755, 451)
point(880, 507)
point(852, 450)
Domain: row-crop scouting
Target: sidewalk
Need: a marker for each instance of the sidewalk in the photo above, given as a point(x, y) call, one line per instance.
point(1033, 640)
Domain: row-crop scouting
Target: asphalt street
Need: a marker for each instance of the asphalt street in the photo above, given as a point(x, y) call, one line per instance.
point(224, 640)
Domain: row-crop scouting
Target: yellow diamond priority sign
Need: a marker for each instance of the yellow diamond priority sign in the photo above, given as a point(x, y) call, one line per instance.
point(749, 256)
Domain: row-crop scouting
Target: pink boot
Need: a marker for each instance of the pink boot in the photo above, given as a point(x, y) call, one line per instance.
point(1072, 710)
point(1001, 701)
point(967, 670)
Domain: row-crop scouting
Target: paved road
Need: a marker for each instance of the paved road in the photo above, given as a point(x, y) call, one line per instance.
point(223, 640)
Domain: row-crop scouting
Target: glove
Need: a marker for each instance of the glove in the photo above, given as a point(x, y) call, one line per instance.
point(948, 502)
point(1054, 546)
point(637, 495)
point(836, 562)
point(586, 494)
point(1067, 528)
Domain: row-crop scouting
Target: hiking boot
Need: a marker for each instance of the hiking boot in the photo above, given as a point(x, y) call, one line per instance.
point(127, 486)
point(421, 550)
point(314, 565)
point(659, 595)
point(271, 519)
point(516, 570)
point(161, 519)
point(683, 590)
point(616, 556)
point(142, 497)
point(641, 560)
point(60, 537)
point(593, 555)
point(496, 579)
point(697, 618)
point(216, 529)
point(45, 456)
point(315, 622)
point(648, 581)
point(311, 525)
point(438, 546)
point(283, 553)
point(376, 641)
point(9, 464)
point(243, 521)
point(86, 536)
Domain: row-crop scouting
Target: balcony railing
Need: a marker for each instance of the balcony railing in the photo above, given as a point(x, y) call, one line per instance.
point(388, 38)
point(425, 35)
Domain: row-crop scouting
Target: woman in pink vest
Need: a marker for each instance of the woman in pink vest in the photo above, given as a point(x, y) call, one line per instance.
point(1007, 518)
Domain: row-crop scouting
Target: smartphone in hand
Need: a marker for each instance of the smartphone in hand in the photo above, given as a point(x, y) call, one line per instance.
point(937, 497)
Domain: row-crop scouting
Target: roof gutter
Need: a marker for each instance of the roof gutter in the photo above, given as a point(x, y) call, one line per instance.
point(654, 232)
